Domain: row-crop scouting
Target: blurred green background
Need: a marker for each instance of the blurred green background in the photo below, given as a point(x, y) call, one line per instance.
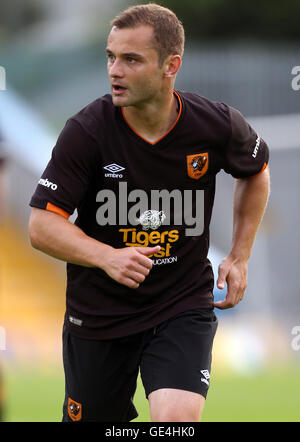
point(242, 53)
point(267, 397)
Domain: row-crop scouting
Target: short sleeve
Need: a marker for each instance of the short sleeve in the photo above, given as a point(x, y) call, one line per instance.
point(246, 153)
point(68, 174)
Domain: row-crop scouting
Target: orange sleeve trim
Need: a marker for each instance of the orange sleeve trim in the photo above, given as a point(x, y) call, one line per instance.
point(171, 128)
point(263, 168)
point(52, 208)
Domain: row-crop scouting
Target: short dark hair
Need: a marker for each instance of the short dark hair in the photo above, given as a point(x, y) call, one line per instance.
point(168, 30)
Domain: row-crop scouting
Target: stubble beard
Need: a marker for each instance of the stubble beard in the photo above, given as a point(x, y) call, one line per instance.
point(140, 97)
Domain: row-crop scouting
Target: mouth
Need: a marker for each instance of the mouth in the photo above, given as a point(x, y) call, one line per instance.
point(117, 89)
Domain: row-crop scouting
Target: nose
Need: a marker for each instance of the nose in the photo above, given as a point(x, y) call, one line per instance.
point(115, 69)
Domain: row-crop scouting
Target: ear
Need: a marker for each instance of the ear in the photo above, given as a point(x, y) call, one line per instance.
point(172, 65)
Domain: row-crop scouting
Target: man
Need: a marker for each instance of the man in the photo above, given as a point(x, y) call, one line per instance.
point(139, 165)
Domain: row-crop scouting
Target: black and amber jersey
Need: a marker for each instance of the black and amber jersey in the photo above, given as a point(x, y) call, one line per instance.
point(130, 192)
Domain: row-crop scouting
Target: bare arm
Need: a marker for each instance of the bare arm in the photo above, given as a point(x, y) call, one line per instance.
point(250, 201)
point(56, 236)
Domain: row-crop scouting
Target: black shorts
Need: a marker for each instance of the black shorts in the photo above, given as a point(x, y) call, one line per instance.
point(101, 375)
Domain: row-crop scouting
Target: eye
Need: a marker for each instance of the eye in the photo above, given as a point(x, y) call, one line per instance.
point(110, 57)
point(131, 60)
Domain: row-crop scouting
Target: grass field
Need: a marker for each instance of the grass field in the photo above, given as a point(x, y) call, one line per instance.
point(33, 320)
point(271, 396)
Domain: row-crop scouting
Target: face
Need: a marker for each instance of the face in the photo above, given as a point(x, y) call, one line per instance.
point(133, 66)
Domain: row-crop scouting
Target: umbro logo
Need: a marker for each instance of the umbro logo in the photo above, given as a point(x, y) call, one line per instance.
point(256, 147)
point(206, 377)
point(47, 183)
point(114, 170)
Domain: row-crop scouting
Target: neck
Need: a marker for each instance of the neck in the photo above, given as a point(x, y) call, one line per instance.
point(153, 120)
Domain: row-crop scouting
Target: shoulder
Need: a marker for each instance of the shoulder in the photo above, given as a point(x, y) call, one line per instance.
point(95, 116)
point(202, 105)
point(211, 117)
point(85, 131)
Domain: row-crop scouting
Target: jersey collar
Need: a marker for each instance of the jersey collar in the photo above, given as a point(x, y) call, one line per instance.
point(167, 133)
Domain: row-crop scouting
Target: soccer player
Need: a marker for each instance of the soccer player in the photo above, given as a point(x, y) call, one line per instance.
point(139, 165)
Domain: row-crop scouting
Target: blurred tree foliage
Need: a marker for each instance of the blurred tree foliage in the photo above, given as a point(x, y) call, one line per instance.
point(202, 19)
point(237, 19)
point(16, 15)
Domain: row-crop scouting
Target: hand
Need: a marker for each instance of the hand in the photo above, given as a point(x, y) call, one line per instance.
point(234, 272)
point(130, 265)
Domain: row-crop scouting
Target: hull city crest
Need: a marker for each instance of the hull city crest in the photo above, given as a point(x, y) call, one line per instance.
point(197, 165)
